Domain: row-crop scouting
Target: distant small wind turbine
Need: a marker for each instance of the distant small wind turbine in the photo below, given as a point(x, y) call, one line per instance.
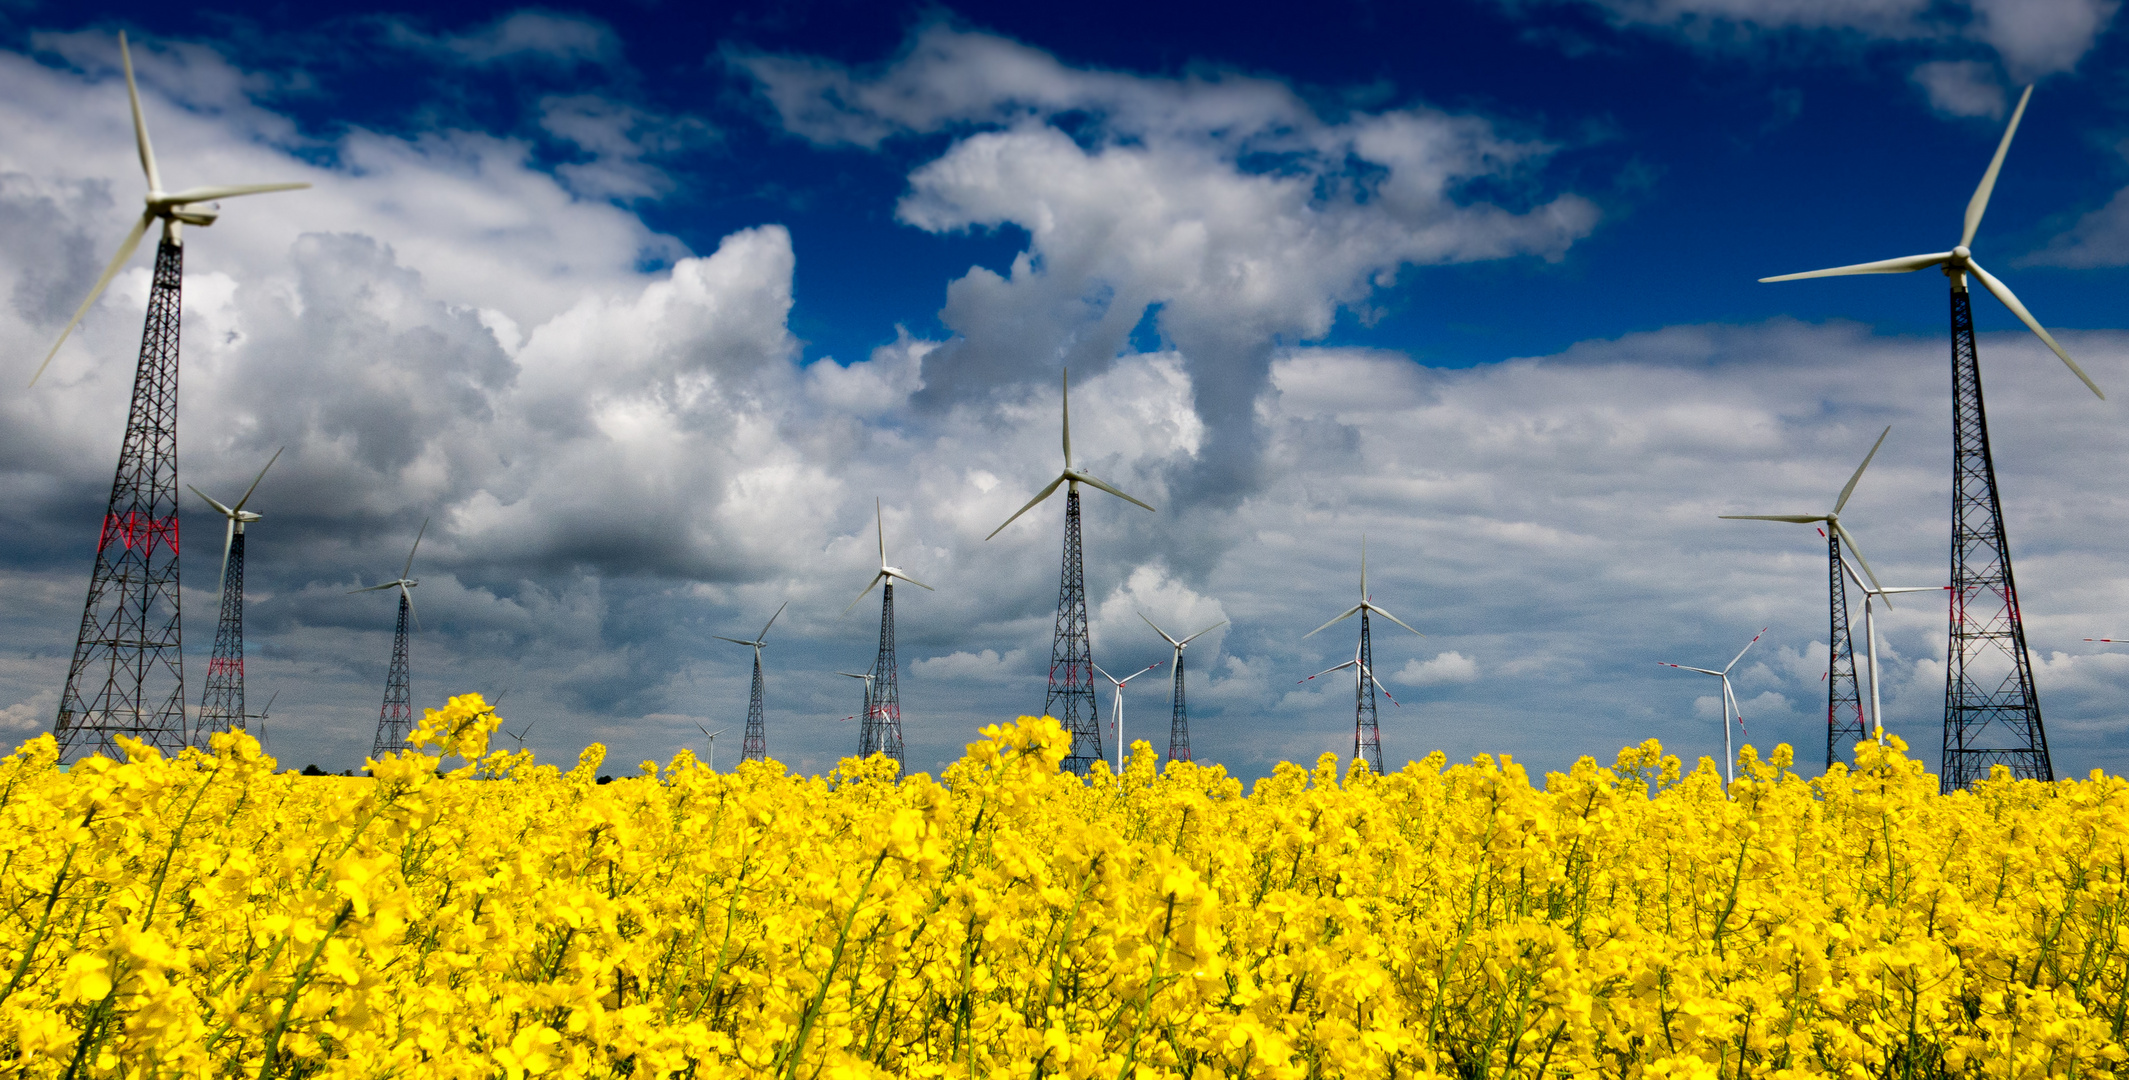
point(881, 733)
point(222, 705)
point(263, 714)
point(712, 736)
point(756, 745)
point(1871, 594)
point(1843, 647)
point(1179, 718)
point(1367, 737)
point(1729, 702)
point(1119, 707)
point(396, 719)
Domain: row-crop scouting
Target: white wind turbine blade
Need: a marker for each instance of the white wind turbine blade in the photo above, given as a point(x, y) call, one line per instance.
point(1046, 493)
point(1098, 670)
point(1139, 672)
point(1363, 568)
point(1725, 672)
point(1979, 204)
point(408, 595)
point(225, 191)
point(772, 622)
point(1903, 265)
point(733, 640)
point(126, 248)
point(880, 520)
point(2010, 300)
point(1842, 531)
point(1349, 613)
point(894, 573)
point(372, 588)
point(1379, 686)
point(1682, 667)
point(417, 547)
point(1093, 483)
point(140, 124)
point(1390, 617)
point(1065, 385)
point(254, 484)
point(1850, 489)
point(1328, 670)
point(868, 592)
point(1202, 633)
point(1157, 629)
point(223, 510)
point(1800, 519)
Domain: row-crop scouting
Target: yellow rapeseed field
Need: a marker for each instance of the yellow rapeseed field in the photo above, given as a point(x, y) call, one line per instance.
point(206, 916)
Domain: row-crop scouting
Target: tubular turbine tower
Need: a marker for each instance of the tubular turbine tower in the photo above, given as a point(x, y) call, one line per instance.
point(1367, 738)
point(395, 721)
point(127, 676)
point(1071, 694)
point(222, 707)
point(1845, 724)
point(881, 731)
point(1991, 710)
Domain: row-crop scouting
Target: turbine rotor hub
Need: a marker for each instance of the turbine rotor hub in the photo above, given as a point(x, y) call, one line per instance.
point(1962, 252)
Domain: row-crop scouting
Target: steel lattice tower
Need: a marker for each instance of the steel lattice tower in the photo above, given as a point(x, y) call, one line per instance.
point(127, 676)
point(222, 708)
point(396, 720)
point(1367, 738)
point(755, 747)
point(884, 717)
point(1071, 695)
point(1991, 711)
point(1845, 725)
point(1179, 720)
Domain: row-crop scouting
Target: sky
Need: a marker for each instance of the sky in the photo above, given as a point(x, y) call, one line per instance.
point(642, 307)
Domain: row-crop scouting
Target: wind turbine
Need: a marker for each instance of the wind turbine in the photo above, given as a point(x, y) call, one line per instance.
point(1871, 593)
point(1179, 719)
point(1071, 651)
point(126, 676)
point(1988, 672)
point(881, 731)
point(1119, 708)
point(1367, 738)
point(712, 736)
point(756, 745)
point(1840, 664)
point(222, 707)
point(395, 721)
point(1729, 703)
point(263, 714)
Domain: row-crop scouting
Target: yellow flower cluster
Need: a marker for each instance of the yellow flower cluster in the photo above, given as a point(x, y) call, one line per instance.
point(205, 916)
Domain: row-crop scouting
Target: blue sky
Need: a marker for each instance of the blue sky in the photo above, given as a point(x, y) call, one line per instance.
point(645, 306)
